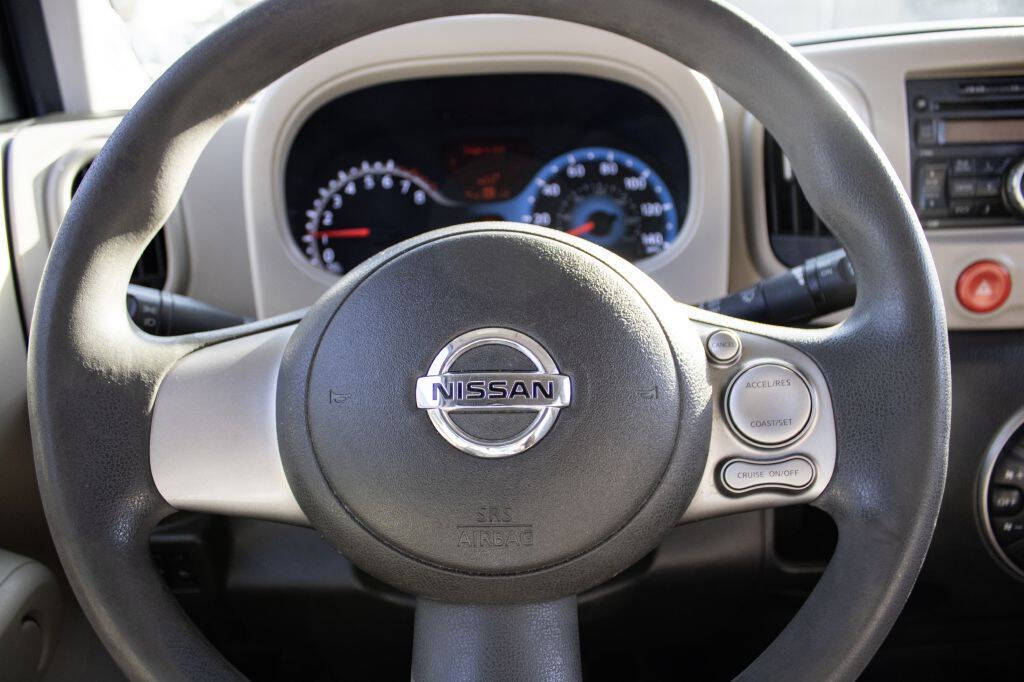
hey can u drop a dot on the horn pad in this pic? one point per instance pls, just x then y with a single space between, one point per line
575 388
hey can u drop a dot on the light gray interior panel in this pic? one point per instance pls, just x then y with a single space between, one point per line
218 257
207 256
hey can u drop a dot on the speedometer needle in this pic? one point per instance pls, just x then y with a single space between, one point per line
582 229
344 233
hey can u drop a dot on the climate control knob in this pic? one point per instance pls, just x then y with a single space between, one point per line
1013 188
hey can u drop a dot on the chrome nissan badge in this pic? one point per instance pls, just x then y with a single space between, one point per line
445 393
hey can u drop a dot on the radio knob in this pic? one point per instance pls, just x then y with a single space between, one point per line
1013 189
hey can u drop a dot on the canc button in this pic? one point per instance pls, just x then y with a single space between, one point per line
744 475
769 404
723 346
983 286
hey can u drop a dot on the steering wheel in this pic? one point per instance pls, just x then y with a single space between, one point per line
442 414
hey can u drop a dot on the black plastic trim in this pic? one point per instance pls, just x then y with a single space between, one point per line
33 56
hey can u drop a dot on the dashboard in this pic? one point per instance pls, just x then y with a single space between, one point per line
598 159
548 123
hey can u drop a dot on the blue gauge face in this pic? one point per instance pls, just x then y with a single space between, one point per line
608 197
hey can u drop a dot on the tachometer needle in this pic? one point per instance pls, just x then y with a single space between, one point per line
582 229
344 233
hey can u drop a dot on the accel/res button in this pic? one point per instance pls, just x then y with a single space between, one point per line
769 404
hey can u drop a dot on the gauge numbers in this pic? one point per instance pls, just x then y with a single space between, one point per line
606 196
363 210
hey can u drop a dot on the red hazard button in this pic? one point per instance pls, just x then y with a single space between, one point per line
983 286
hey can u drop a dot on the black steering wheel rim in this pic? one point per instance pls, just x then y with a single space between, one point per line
93 377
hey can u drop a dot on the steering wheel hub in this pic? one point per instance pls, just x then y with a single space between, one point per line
551 350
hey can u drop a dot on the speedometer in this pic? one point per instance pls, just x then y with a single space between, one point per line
364 210
607 196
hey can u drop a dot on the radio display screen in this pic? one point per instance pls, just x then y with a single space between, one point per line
983 130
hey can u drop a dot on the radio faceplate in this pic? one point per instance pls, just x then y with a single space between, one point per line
966 139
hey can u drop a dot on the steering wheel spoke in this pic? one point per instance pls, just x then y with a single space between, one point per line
213 436
773 437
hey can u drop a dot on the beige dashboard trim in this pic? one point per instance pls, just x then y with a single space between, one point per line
878 68
42 159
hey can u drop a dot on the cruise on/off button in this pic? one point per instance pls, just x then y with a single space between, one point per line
769 404
744 475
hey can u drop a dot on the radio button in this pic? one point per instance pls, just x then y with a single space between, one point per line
993 165
933 178
926 132
963 166
963 187
988 187
932 189
961 209
933 206
987 209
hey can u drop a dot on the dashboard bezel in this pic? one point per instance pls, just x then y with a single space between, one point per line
451 135
693 268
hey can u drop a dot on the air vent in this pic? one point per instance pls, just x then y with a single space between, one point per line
794 231
151 270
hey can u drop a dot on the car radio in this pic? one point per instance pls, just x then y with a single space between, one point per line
967 150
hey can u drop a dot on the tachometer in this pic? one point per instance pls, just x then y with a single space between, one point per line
607 196
362 211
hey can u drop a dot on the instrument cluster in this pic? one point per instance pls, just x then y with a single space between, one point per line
595 158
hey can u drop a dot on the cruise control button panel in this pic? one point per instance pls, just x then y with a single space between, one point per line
769 404
747 475
773 436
